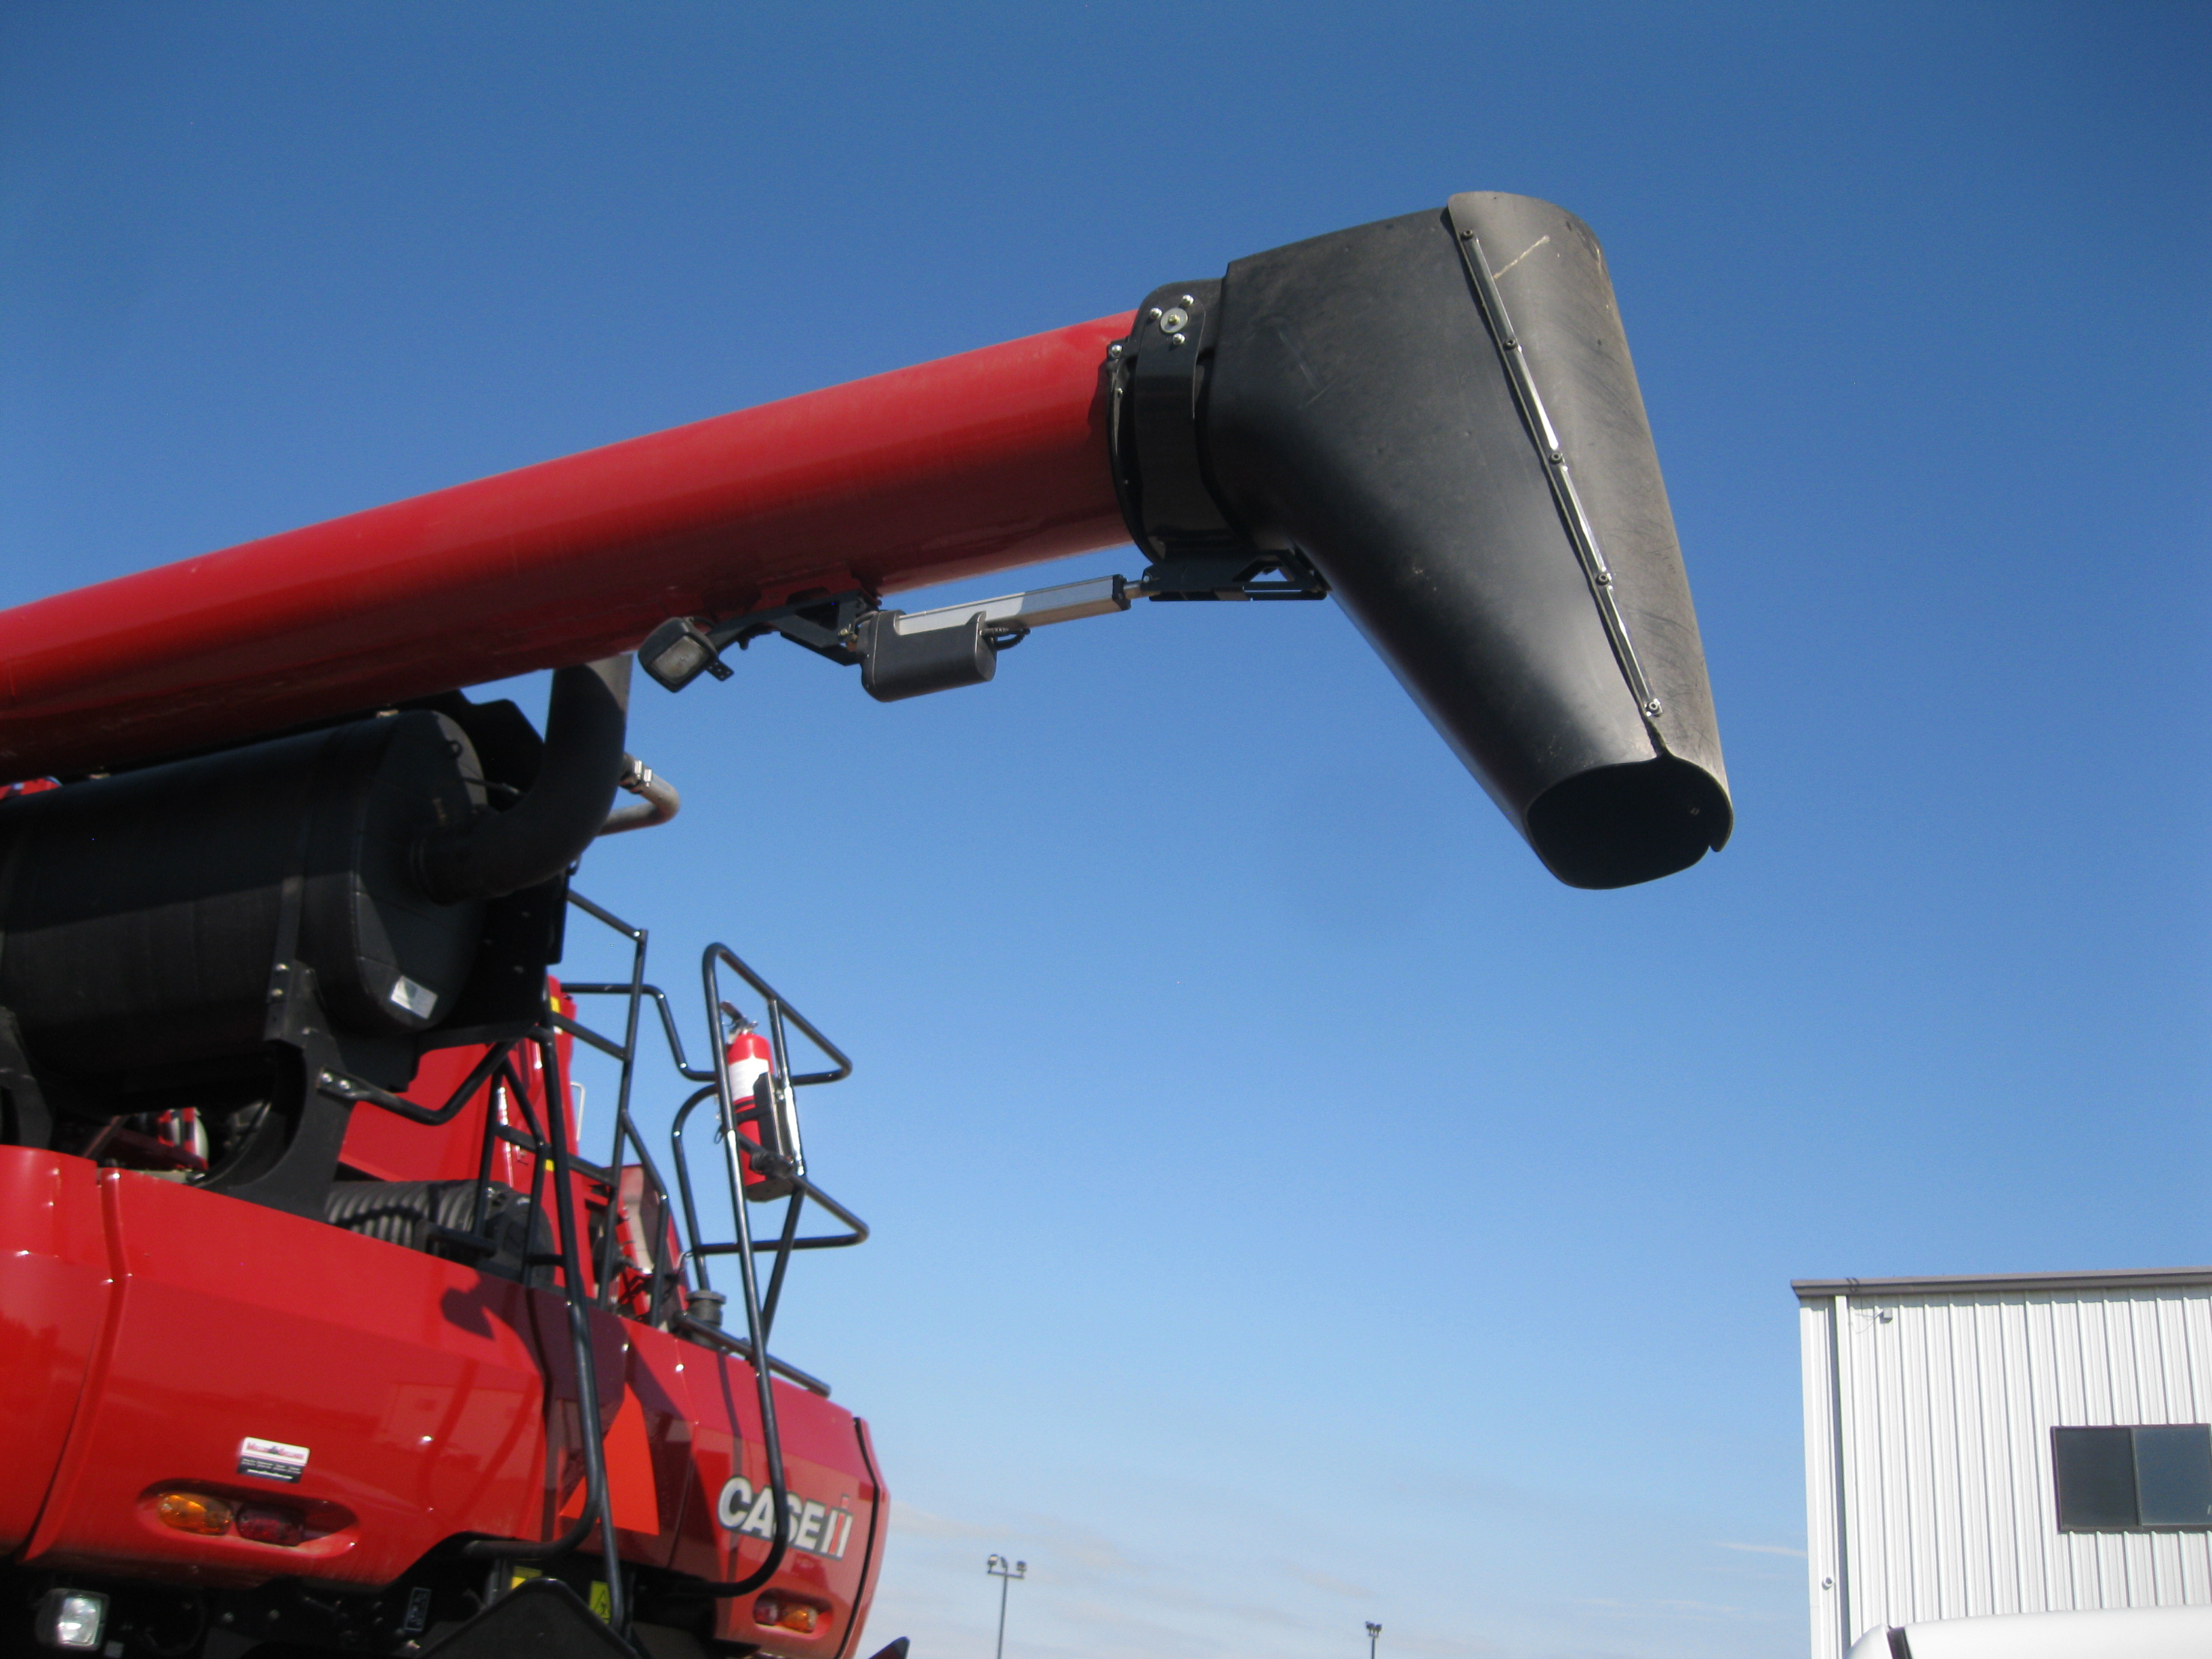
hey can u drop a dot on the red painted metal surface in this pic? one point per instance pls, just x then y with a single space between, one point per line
971 464
150 1326
54 1286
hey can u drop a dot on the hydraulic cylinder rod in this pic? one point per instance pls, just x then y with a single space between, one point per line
990 460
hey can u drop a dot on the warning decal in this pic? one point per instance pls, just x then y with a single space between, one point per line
271 1460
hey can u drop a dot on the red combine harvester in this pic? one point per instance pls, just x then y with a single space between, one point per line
318 1331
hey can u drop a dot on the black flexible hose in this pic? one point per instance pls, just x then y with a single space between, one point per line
544 832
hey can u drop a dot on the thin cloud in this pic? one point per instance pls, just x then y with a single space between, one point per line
1668 1609
1322 1581
920 1523
1761 1549
1458 1647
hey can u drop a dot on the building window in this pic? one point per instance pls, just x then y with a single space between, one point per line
2141 1480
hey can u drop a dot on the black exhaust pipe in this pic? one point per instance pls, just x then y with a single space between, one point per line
495 854
1437 415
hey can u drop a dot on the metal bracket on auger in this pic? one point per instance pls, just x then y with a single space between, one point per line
900 653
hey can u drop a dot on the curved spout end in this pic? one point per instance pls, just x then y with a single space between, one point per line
1615 826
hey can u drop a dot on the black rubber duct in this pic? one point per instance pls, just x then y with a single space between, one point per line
548 830
1368 400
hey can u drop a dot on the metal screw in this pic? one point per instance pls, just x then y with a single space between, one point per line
1114 350
1188 300
1174 319
1653 709
1179 339
1156 311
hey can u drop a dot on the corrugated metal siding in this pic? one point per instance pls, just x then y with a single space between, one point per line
1927 1422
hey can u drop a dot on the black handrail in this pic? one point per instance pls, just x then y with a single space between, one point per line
552 1142
660 1000
771 1435
552 1145
626 1130
777 1008
497 1070
339 1086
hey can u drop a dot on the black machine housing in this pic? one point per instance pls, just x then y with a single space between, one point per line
256 932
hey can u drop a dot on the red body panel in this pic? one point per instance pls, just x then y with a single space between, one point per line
994 458
415 1383
54 1285
150 1326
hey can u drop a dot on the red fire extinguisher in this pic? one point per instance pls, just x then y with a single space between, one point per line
754 1099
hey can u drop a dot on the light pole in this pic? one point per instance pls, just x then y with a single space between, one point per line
1374 1630
997 1567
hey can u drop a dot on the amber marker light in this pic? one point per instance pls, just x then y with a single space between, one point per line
774 1611
194 1511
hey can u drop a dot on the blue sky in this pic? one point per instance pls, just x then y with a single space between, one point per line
1293 1208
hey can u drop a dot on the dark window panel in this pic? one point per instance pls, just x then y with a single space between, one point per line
2173 1475
2096 1479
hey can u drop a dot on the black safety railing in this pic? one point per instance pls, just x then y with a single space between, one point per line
653 1207
777 1156
775 1148
549 1150
762 1131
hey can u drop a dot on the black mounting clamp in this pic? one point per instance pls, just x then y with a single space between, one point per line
1156 384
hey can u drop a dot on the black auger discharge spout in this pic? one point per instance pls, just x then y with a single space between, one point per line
1437 417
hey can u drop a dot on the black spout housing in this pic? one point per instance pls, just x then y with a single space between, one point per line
1438 414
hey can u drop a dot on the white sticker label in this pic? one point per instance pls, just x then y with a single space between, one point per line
271 1460
419 1000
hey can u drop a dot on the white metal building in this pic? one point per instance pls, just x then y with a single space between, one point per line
2014 1444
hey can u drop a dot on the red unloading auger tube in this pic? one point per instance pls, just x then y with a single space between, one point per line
976 462
1433 417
